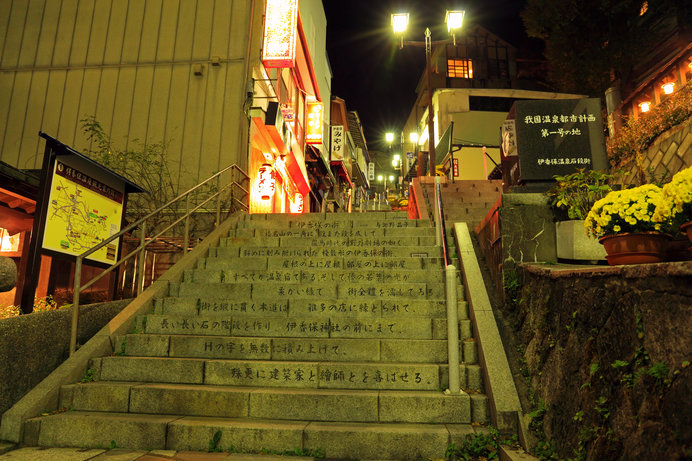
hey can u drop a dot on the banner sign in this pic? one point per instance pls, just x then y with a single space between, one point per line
337 142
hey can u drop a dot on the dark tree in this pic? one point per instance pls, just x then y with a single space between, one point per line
591 43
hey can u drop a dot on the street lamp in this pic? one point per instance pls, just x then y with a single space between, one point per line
454 20
389 137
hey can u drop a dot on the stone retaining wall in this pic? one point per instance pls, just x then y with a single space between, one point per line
32 346
608 351
670 152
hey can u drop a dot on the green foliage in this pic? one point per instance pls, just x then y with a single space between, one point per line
602 407
123 346
578 416
638 134
89 376
593 368
481 446
112 445
576 193
661 373
619 364
214 442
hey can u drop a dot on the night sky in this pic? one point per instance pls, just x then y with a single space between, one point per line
377 79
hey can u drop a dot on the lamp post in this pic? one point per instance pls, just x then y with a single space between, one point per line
454 20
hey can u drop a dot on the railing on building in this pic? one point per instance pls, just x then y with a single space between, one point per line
233 186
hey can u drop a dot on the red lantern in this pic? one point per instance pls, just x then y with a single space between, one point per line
266 182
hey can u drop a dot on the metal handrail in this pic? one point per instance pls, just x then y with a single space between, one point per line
451 292
144 241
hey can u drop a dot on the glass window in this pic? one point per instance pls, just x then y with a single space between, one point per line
459 68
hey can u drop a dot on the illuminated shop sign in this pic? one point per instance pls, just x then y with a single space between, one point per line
297 204
280 31
265 182
314 125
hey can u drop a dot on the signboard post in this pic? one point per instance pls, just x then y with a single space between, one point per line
81 203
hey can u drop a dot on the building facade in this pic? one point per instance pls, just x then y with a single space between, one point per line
475 83
186 74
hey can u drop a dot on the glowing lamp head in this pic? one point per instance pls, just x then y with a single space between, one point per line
399 22
389 137
668 88
413 137
391 178
645 106
454 20
265 182
380 177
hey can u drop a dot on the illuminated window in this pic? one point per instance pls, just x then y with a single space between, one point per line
459 68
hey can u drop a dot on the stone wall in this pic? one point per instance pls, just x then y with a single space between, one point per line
33 345
608 351
670 152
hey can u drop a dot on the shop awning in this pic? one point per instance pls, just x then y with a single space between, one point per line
340 170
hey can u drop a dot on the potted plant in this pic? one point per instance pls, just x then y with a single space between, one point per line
675 203
624 223
572 197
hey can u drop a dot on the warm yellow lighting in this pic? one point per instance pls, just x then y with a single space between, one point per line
423 139
454 19
400 22
314 125
297 204
389 137
391 178
379 177
645 106
668 88
280 30
413 137
266 182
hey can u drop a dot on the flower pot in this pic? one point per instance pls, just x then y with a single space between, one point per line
686 228
572 242
635 247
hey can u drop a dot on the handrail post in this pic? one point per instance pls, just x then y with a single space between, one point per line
438 224
140 259
75 304
186 237
218 199
452 330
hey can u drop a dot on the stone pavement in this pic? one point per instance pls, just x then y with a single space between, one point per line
119 454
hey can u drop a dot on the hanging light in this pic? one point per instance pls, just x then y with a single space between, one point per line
668 88
297 204
645 106
266 182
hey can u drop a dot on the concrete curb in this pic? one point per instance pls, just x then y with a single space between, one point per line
505 407
45 396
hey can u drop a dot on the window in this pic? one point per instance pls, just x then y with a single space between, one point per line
459 68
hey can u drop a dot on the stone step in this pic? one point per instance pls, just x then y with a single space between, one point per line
321 262
315 251
358 232
328 242
285 374
290 349
295 349
269 403
320 290
208 275
338 440
296 327
327 308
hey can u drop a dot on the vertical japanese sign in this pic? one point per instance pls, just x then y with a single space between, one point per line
371 171
314 129
555 137
280 30
509 137
337 147
455 168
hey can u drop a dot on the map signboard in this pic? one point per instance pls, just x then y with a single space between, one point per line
82 212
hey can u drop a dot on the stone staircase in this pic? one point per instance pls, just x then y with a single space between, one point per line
313 332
